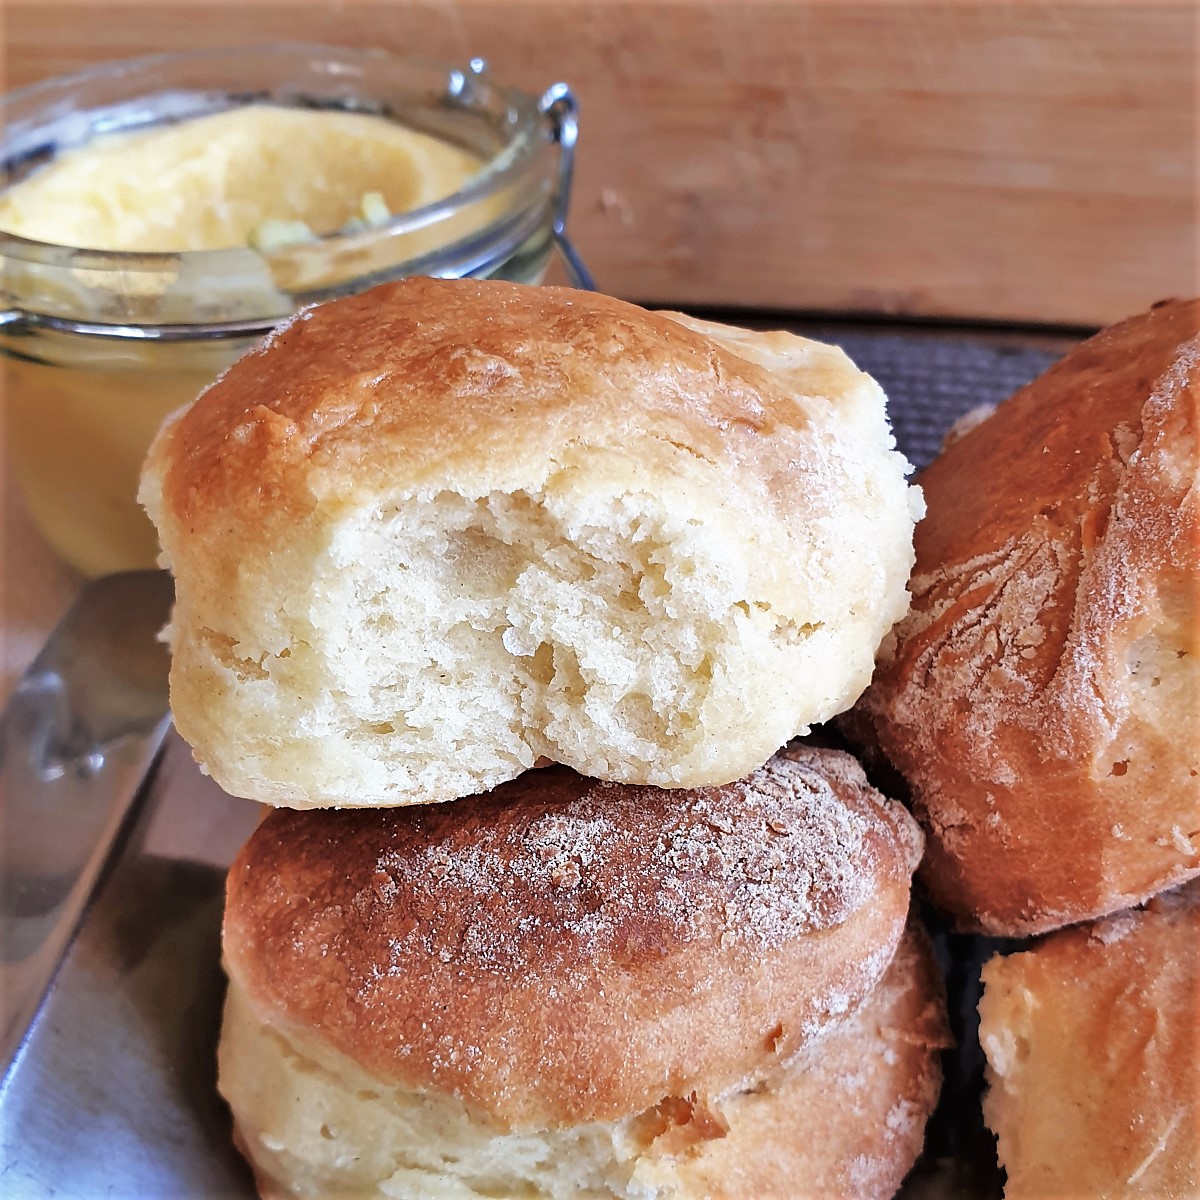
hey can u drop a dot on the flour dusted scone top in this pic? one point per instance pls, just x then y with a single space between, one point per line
430 534
565 988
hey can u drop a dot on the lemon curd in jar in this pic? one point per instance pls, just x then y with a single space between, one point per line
80 413
215 182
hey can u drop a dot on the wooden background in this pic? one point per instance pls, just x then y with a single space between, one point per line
1013 161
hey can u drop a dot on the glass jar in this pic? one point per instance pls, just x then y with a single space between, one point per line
98 346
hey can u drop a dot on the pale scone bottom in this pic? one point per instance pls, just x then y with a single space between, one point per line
310 1116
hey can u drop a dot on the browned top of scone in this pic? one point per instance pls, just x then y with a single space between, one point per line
563 950
1038 688
420 378
1061 444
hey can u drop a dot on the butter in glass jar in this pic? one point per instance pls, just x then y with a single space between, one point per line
159 216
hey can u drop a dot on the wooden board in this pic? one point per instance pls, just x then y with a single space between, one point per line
1030 162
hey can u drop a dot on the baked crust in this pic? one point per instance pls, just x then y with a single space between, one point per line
1041 695
366 382
1093 1045
651 548
562 950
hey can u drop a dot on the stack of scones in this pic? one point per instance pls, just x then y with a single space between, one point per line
508 598
1042 701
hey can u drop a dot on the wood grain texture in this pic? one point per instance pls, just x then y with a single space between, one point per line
1020 161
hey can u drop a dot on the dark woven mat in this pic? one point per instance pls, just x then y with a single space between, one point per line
931 381
931 377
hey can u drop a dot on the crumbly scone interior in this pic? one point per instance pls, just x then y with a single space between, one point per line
632 616
448 641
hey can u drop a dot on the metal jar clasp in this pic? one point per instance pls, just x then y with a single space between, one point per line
561 109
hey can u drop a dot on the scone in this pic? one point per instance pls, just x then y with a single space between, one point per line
1093 1046
427 536
575 987
1042 697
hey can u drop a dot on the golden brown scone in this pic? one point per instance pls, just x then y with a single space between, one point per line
429 534
1041 695
536 984
1093 1046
